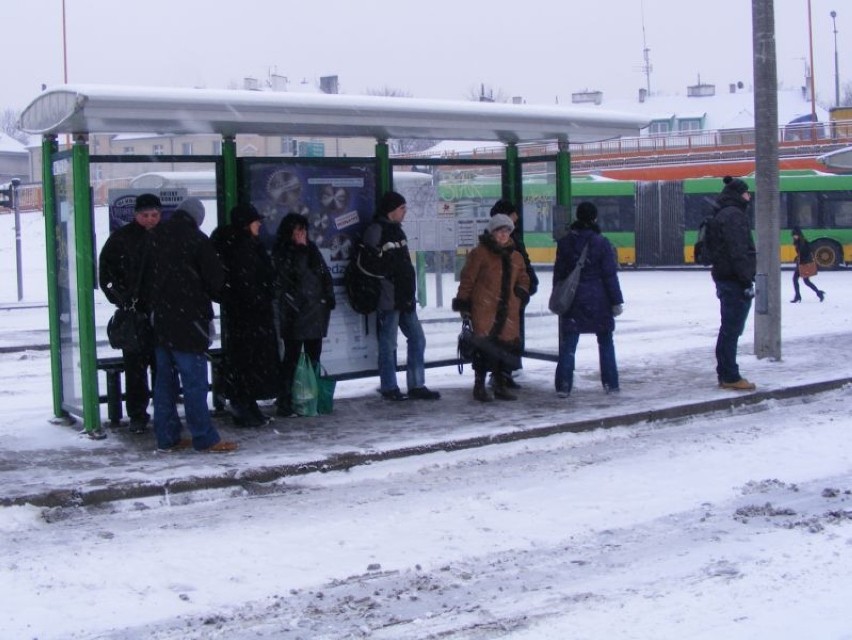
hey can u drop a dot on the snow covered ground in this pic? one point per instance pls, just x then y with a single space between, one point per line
735 524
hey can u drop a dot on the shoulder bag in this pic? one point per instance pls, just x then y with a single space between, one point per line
564 291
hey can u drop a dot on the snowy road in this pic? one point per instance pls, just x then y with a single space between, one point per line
730 526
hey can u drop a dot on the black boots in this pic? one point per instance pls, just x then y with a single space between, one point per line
821 295
798 298
480 392
501 390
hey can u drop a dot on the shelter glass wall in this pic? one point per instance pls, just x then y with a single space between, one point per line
67 310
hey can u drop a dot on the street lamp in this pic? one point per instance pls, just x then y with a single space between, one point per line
836 68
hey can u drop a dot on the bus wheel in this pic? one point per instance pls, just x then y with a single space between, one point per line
827 254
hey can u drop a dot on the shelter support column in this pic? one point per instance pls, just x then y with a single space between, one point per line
49 147
84 266
385 172
229 177
513 179
563 176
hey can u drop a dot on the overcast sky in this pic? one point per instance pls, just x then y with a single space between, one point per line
538 49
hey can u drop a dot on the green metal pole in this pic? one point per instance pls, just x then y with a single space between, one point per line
85 269
49 147
385 177
563 176
513 184
229 169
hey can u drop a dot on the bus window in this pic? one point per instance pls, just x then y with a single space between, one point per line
802 208
837 208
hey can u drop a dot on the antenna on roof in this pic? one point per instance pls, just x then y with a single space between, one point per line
646 66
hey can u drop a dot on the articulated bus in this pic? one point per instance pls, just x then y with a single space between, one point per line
655 223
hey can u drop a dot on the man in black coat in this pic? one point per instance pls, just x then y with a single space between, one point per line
734 267
397 303
120 269
186 276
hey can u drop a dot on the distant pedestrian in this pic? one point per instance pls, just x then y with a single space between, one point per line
508 208
734 267
493 288
120 269
804 257
597 302
304 295
249 340
397 304
186 277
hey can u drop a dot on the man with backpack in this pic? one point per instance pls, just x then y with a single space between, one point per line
397 305
734 262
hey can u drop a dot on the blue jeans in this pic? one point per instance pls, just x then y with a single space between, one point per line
734 307
387 324
191 368
564 379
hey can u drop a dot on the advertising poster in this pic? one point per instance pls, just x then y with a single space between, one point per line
339 203
123 201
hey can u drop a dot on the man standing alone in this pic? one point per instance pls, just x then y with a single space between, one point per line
734 267
120 269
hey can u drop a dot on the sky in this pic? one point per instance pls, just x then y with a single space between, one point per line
539 50
732 525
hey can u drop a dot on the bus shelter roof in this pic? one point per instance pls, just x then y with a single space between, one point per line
839 160
72 109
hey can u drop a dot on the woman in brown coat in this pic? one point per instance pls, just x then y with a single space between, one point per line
493 289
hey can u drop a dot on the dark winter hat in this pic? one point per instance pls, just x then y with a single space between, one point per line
587 212
194 207
796 231
499 221
243 215
389 202
734 186
147 201
503 206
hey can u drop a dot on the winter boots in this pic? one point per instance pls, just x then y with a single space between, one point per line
501 389
480 391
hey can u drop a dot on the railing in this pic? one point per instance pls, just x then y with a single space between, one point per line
799 139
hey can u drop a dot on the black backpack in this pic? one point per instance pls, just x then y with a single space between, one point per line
708 241
363 285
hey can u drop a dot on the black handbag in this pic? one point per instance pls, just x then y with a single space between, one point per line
130 330
466 347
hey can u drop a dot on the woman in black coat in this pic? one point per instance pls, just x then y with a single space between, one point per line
249 342
804 255
304 297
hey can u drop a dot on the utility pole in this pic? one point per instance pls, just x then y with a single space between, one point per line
833 15
767 204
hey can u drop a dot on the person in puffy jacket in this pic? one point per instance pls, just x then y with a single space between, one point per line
734 267
597 302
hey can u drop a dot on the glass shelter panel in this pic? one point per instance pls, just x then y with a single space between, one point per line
66 278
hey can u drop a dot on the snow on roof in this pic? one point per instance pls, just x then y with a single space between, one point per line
115 109
9 145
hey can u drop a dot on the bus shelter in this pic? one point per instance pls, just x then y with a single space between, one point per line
71 218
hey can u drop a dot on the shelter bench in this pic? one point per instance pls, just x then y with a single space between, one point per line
113 368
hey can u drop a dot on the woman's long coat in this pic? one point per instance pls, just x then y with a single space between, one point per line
304 291
249 339
493 282
599 289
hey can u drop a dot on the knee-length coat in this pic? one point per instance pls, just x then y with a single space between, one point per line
493 286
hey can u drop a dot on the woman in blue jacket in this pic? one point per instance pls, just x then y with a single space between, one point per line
597 301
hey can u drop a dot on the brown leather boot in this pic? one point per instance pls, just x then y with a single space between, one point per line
500 390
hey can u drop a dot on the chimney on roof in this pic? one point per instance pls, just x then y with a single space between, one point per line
583 97
517 100
278 82
251 84
328 84
643 95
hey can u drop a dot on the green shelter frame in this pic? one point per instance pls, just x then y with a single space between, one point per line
80 110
